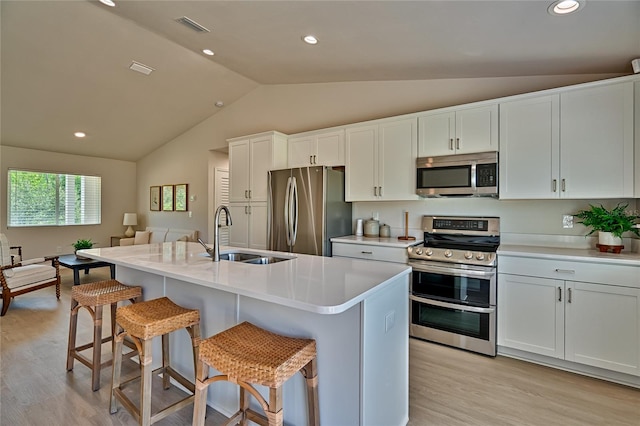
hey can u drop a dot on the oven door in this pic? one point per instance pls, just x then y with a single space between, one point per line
454 306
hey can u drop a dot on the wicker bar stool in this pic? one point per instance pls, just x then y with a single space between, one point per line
93 297
141 323
246 355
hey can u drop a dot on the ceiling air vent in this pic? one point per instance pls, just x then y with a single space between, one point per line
188 22
141 68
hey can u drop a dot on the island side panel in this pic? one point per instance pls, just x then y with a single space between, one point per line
385 366
338 338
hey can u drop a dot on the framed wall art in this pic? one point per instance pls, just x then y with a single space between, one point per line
154 198
181 197
167 198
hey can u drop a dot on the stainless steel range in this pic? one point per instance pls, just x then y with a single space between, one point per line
454 281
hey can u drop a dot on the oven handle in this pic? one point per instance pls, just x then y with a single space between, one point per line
451 305
453 271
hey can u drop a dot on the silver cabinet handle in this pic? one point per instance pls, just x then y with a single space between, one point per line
565 271
311 159
555 185
564 185
559 294
375 191
366 252
246 194
245 209
569 295
249 193
457 143
314 159
451 144
380 191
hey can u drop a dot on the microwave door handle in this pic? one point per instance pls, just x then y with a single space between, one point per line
456 272
452 305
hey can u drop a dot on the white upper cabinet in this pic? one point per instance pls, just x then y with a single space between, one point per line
317 149
460 131
380 161
637 137
574 144
530 148
596 142
250 159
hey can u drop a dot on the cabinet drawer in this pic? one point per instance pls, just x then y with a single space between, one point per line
621 275
369 252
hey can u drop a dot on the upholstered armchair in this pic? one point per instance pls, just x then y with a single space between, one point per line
19 276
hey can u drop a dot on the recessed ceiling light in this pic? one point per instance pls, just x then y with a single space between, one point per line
79 134
208 52
309 39
564 7
219 104
109 3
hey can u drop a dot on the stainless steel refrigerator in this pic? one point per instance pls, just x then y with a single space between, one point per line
307 209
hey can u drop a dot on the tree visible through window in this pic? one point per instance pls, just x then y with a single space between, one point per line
53 199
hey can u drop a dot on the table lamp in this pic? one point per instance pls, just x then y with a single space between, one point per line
130 219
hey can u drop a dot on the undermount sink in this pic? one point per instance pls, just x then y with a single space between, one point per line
252 258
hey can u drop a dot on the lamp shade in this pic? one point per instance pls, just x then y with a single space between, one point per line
130 219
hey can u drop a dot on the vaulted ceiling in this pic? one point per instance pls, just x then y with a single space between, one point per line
65 64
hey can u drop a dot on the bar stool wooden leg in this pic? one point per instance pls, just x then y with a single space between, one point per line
145 386
115 372
310 373
166 383
97 348
200 397
73 326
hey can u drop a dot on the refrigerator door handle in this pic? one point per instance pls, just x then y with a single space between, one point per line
294 211
287 197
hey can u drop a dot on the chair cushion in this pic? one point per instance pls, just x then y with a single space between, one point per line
141 237
30 274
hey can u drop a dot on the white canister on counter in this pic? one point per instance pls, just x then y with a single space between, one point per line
385 231
371 228
359 228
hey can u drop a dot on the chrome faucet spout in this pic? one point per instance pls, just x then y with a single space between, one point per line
215 256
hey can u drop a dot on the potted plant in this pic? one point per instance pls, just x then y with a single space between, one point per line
81 245
610 224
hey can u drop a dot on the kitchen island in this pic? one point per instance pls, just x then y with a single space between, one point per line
356 310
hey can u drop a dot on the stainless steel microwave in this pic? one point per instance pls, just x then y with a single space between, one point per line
458 175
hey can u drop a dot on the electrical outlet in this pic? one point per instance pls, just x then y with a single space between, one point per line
567 221
59 249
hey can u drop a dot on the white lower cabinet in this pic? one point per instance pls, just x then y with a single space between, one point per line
594 324
249 225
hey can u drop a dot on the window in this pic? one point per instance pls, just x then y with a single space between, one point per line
53 199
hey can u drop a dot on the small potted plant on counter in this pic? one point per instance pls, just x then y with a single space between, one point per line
610 224
81 245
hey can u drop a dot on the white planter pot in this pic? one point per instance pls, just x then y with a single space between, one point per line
607 239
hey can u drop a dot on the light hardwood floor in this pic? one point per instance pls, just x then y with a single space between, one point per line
446 386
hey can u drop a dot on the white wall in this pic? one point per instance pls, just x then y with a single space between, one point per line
300 107
118 197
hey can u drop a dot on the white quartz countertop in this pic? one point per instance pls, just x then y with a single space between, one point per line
376 241
572 254
324 285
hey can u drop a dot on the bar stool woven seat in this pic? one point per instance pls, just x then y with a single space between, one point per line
93 297
142 322
246 354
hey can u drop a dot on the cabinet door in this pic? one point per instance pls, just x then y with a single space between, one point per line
531 314
477 129
637 137
530 148
437 132
330 149
603 326
361 179
239 171
397 146
301 151
261 155
596 141
239 229
258 226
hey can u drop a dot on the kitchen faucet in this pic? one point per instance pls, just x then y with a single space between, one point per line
215 253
